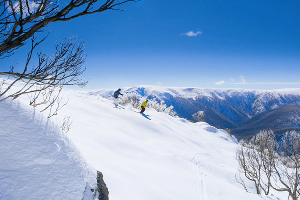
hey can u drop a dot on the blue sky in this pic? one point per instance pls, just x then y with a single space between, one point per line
194 43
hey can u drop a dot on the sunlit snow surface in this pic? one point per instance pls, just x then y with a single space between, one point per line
36 160
155 158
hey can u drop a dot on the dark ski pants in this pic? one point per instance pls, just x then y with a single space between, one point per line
143 109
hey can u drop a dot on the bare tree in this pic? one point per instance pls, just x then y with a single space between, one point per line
287 165
249 164
21 20
272 164
49 73
255 158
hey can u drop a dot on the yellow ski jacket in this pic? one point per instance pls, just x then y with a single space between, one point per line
144 104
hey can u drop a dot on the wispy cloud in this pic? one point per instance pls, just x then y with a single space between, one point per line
192 33
220 82
242 81
266 83
242 78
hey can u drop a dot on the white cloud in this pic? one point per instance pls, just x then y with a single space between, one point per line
192 33
242 78
32 6
220 82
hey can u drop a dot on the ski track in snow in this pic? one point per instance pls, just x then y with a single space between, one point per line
198 159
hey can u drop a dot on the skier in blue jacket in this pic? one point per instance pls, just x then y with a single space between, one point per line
117 93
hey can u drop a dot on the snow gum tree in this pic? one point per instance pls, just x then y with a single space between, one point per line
269 163
253 157
24 22
287 165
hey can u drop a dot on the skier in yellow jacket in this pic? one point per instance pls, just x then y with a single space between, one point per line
143 106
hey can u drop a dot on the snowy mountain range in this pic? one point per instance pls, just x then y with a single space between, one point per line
236 109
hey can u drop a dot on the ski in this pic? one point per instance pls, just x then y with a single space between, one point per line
119 107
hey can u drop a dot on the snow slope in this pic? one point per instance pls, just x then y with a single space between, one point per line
37 161
157 157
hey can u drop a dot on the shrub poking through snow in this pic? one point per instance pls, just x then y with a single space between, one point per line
134 100
161 107
199 116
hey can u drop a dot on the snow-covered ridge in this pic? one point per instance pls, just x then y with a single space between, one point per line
259 100
193 92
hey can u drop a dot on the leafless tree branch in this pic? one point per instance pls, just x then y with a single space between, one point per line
20 21
63 69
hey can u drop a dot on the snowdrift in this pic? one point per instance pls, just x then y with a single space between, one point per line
37 161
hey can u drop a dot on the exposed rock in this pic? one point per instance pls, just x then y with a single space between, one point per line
101 187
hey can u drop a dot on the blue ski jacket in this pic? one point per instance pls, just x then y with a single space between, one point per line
117 93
